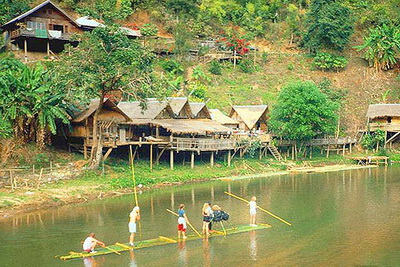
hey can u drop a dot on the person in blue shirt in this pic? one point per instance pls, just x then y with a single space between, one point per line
182 222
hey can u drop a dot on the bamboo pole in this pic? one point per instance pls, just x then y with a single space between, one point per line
133 176
223 228
264 210
113 250
190 225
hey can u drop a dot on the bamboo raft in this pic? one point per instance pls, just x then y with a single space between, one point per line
117 248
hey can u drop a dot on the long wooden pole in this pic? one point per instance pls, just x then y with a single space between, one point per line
190 225
264 210
133 176
113 250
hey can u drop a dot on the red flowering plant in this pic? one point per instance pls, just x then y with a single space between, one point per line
234 43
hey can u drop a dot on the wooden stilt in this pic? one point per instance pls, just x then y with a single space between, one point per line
171 159
26 50
344 148
192 160
212 159
48 48
229 158
151 157
107 154
327 152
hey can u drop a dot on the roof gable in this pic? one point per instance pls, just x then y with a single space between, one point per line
217 115
38 7
180 106
200 110
249 114
153 109
93 105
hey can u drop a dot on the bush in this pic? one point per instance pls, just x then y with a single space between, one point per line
247 66
326 61
172 66
215 67
371 140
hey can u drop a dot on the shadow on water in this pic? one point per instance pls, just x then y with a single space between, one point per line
342 218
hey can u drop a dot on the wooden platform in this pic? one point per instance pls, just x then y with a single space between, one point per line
368 160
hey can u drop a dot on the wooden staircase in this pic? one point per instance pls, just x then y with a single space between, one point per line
275 152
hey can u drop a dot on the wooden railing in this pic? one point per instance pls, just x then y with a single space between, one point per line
32 33
202 144
322 141
384 126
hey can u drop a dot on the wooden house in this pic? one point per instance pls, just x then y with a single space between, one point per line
45 28
218 116
199 110
110 125
385 117
250 118
180 107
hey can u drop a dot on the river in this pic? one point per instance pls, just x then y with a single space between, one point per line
342 218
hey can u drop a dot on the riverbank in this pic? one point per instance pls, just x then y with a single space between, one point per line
116 179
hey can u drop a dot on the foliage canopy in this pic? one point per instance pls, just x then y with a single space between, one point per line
302 112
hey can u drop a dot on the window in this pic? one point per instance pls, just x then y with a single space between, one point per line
389 119
35 25
58 28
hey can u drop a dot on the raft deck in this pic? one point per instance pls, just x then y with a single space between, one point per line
160 241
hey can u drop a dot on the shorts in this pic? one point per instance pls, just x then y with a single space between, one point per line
253 212
182 227
207 218
87 250
132 227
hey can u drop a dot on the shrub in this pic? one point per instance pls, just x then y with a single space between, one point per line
326 61
264 57
215 67
371 140
247 66
172 66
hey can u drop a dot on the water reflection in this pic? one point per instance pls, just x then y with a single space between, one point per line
133 262
253 245
183 256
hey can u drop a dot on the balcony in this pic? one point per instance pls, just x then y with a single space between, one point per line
389 127
39 33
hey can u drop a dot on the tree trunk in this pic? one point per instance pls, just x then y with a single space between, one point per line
96 148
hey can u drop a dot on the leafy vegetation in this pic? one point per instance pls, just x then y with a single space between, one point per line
302 112
326 61
382 46
374 140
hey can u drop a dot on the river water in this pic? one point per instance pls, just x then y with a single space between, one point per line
347 218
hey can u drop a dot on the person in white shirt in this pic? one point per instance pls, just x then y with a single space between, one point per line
90 243
134 216
253 211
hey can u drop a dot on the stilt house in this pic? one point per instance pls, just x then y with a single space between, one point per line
385 117
250 118
46 28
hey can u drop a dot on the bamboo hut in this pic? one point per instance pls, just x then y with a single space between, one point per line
250 118
385 117
218 116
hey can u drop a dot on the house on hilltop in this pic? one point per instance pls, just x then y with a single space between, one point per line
385 117
250 118
46 28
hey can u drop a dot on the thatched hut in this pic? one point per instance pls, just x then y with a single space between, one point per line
218 116
250 118
200 110
109 123
385 117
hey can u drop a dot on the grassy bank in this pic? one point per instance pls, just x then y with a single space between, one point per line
115 178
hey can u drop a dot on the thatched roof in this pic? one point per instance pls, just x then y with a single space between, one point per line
38 7
192 126
249 114
93 105
200 110
383 110
217 115
153 109
178 104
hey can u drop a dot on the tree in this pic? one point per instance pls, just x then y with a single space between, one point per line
11 8
29 105
183 7
329 26
108 10
382 46
106 61
302 112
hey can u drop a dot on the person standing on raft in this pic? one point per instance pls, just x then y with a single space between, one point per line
253 211
207 216
182 222
134 216
90 243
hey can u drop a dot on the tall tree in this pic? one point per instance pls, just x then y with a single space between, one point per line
105 61
12 8
329 26
302 112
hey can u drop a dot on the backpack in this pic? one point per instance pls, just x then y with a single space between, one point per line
224 215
